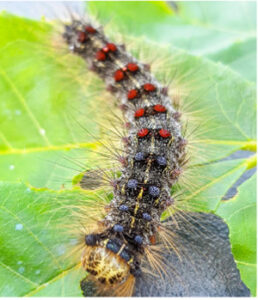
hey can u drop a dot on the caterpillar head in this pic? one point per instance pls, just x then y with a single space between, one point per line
108 264
107 267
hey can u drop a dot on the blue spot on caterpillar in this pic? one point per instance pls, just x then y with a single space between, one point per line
161 160
139 156
132 183
154 191
146 216
138 239
123 207
118 228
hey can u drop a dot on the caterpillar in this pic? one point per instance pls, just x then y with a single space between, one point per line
155 151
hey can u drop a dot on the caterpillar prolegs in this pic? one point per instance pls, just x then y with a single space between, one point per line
131 232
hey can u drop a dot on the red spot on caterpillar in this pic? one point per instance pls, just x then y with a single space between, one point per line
90 29
139 113
143 132
159 108
164 133
118 75
148 87
132 67
132 94
100 55
82 37
109 47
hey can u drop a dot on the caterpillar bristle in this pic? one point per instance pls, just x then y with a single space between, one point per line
155 260
125 289
167 238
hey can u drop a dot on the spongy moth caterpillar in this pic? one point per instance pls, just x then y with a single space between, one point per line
155 150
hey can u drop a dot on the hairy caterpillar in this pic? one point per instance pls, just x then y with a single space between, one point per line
86 182
155 150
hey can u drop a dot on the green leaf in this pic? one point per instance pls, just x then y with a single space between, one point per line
240 215
34 80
